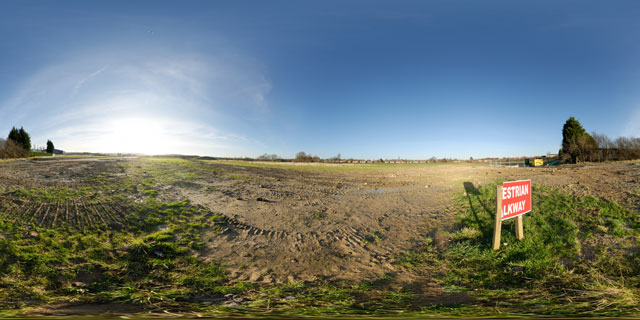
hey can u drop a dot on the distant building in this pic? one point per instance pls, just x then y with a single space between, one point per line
57 151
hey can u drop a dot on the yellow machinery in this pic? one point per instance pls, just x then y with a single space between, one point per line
538 163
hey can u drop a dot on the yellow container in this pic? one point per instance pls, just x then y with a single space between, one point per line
538 163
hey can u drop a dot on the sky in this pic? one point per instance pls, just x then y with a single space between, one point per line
363 79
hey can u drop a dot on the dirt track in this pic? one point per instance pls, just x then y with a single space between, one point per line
288 225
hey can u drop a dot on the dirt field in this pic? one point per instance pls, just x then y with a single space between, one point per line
293 225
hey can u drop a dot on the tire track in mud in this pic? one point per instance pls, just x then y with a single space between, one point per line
314 225
350 236
263 247
75 213
287 225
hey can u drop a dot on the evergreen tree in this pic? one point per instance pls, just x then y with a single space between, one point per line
571 131
577 144
50 147
14 135
25 139
21 137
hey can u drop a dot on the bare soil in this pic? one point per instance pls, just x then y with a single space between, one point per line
291 225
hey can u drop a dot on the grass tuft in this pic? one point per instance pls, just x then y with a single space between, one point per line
575 248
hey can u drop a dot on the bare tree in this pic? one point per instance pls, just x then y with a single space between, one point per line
602 140
304 157
628 148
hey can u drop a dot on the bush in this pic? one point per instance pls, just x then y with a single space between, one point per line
10 149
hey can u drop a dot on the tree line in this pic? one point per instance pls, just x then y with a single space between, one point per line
303 157
18 144
580 146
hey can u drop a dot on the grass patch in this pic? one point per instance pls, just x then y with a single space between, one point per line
40 154
174 171
211 189
150 262
577 254
49 194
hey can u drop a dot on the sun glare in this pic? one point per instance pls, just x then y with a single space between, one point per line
137 135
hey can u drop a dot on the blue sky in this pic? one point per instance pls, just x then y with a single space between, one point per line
366 79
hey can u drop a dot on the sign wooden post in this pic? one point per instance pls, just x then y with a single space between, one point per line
519 228
498 225
513 199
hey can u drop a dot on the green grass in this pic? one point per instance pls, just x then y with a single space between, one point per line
151 261
211 189
40 154
577 254
49 194
141 264
147 174
166 169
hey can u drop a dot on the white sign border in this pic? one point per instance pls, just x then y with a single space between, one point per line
530 193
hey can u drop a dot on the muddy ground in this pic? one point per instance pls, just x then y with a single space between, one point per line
291 225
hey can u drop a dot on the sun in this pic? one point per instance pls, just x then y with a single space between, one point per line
137 135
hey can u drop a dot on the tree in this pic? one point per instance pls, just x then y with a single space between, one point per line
21 137
606 147
302 157
334 159
14 135
50 147
628 147
25 139
587 147
577 144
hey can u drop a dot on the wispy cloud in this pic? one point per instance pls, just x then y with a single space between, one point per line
632 127
83 81
194 103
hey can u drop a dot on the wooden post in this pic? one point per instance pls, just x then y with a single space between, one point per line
498 224
519 228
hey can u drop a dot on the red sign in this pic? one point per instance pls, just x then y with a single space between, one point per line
516 198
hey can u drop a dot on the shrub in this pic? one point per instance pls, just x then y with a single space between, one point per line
10 149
